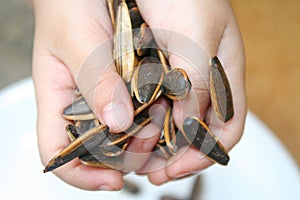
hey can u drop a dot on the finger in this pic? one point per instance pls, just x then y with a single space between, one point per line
86 48
104 89
54 88
90 178
231 53
156 170
141 146
197 101
187 161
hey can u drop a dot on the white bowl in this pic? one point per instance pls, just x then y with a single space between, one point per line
260 166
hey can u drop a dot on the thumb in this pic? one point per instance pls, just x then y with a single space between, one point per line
102 87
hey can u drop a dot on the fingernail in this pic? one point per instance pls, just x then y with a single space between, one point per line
106 188
117 116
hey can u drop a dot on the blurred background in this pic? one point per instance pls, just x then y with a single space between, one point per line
16 36
271 33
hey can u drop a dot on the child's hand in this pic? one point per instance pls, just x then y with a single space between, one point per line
192 31
66 34
70 32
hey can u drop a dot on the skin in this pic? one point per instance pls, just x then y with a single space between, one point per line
73 44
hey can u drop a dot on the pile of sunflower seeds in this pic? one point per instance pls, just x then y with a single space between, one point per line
148 77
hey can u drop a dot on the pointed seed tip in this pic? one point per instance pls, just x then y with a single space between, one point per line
228 117
45 170
224 161
214 60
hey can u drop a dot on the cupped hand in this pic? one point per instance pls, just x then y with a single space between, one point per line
191 32
73 44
